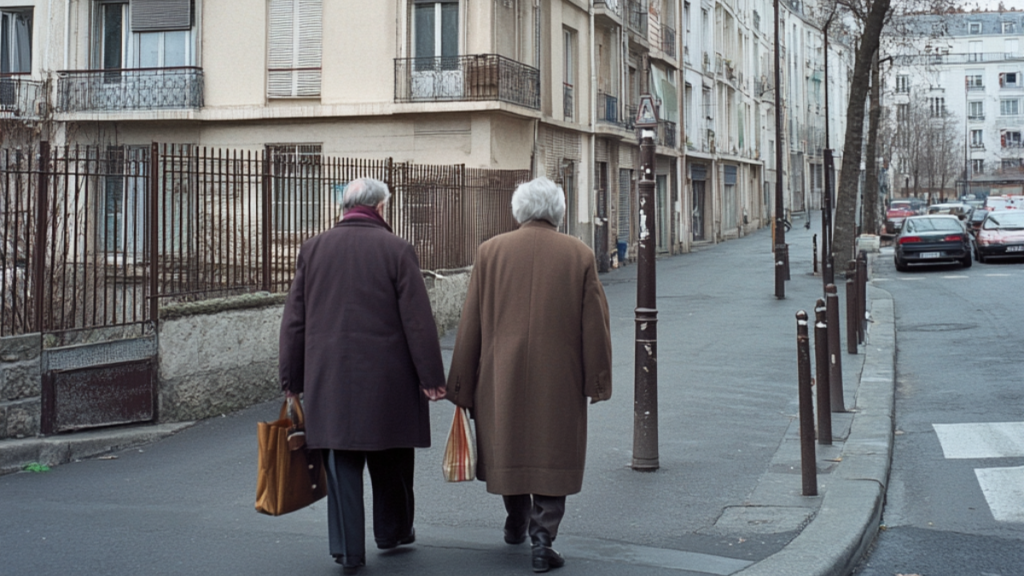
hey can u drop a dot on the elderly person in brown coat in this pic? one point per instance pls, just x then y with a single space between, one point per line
358 339
533 345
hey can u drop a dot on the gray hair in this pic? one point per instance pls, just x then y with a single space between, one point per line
538 199
364 192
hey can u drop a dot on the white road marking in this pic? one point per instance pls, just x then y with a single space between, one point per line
998 275
906 279
956 277
1004 492
981 440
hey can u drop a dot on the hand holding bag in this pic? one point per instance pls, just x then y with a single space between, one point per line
460 453
289 475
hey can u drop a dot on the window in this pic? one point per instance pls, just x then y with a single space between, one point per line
902 113
974 81
1009 80
903 84
1010 139
978 166
1009 107
1011 163
436 35
15 41
297 175
1009 27
143 35
122 210
1011 46
937 106
977 139
974 27
294 34
568 72
976 110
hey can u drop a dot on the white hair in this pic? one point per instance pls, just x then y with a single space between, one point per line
365 192
538 199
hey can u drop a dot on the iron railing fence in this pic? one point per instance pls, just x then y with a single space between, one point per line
79 248
667 134
130 89
467 78
21 98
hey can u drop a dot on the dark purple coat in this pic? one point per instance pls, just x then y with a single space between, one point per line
358 338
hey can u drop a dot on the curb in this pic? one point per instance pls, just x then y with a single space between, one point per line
851 509
55 450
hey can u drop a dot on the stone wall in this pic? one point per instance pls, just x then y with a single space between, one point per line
215 356
20 385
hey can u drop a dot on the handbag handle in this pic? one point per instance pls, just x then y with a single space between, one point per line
297 431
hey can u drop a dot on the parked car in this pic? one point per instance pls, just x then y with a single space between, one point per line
977 217
1001 235
899 210
958 209
933 239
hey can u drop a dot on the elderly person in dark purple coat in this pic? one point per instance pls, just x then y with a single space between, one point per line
358 340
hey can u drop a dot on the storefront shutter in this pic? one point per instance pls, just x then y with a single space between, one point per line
161 15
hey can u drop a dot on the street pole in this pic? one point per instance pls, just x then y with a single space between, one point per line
645 395
780 256
827 263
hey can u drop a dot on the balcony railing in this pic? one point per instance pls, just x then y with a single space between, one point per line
976 117
568 105
130 89
474 77
20 97
630 117
667 133
607 108
962 58
668 40
636 16
613 6
972 87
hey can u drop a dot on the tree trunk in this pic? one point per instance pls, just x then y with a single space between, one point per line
870 204
846 197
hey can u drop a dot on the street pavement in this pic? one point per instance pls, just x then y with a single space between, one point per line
726 500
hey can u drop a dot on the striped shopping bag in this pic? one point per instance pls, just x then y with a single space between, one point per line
459 463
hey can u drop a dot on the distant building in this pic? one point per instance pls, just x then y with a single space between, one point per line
967 70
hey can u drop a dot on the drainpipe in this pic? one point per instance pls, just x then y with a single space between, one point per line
593 139
67 33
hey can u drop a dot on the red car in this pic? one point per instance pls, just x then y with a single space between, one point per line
1001 235
899 210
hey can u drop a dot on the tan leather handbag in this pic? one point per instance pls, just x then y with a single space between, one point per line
289 475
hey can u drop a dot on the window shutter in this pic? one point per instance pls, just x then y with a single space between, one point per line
310 47
161 15
281 48
1002 80
295 35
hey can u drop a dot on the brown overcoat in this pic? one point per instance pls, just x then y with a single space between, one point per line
533 345
358 337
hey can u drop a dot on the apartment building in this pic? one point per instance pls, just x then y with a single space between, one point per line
963 73
546 85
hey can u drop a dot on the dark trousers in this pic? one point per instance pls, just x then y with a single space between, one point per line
391 474
543 513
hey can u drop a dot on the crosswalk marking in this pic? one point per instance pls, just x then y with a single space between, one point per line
1003 488
1004 492
981 440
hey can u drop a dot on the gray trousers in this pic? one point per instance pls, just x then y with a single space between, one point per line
542 513
391 473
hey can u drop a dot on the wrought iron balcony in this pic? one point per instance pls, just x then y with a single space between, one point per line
21 98
667 134
568 105
130 89
668 40
607 108
467 78
636 16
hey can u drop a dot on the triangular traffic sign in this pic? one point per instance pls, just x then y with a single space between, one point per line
646 117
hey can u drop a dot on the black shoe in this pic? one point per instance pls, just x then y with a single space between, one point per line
511 537
389 544
545 558
350 564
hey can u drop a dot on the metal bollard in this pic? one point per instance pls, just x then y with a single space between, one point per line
862 297
814 253
821 374
851 316
808 465
835 359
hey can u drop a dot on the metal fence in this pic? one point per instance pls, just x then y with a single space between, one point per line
472 77
79 248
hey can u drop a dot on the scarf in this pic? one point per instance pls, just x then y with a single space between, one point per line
365 213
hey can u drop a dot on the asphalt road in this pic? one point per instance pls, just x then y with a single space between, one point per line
955 503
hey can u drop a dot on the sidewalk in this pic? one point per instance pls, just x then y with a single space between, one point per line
725 501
